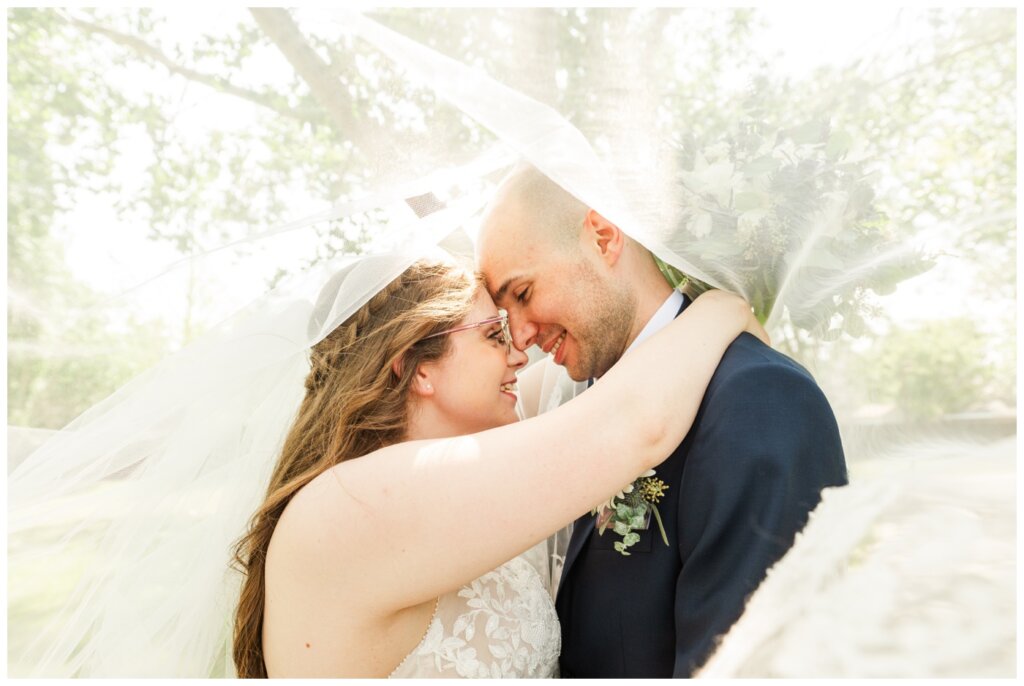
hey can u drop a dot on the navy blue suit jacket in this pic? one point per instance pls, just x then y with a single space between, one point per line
741 485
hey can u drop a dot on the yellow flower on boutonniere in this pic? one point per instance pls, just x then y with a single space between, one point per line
653 490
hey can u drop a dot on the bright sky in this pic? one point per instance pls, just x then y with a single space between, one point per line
812 35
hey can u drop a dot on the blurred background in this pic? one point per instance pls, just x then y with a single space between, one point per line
139 137
163 164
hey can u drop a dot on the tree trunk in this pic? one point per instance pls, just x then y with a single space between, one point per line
281 29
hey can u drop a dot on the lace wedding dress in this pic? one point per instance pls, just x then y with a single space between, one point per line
500 625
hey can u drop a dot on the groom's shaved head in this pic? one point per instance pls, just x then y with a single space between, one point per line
553 264
573 282
535 207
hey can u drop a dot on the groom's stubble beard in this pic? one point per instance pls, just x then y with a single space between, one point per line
606 313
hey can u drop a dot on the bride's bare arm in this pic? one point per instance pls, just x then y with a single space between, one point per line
418 519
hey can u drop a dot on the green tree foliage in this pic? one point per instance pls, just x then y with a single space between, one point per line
929 370
58 98
94 92
937 118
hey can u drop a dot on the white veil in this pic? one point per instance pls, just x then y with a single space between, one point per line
152 487
122 522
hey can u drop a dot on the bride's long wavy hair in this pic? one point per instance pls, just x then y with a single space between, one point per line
355 403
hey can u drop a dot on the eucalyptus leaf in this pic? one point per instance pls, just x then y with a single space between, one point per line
765 164
838 144
832 335
854 325
811 132
747 201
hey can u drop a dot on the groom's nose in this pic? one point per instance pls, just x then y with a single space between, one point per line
524 333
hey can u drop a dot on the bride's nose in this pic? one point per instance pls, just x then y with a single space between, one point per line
516 357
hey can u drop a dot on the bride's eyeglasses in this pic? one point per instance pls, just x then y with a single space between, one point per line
502 336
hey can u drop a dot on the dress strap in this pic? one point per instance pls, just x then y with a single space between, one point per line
433 616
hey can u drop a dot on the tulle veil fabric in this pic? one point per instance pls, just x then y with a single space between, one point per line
154 484
157 481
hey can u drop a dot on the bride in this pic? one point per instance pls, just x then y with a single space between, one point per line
402 562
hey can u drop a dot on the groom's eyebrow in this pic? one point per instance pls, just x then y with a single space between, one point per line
503 289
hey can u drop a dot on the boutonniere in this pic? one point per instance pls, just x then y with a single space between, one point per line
630 510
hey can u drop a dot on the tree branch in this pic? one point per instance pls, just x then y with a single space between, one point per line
326 88
946 57
138 45
841 95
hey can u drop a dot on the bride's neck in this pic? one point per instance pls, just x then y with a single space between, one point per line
425 422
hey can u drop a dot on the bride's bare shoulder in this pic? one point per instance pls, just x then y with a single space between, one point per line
311 513
319 587
338 510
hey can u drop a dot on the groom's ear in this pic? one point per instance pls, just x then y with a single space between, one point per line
606 237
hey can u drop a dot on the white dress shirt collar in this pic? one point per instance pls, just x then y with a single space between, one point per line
665 314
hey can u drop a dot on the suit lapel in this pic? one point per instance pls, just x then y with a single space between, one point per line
581 531
584 526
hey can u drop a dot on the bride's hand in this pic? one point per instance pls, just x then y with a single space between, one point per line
752 326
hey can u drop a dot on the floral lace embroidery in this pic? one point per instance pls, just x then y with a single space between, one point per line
503 624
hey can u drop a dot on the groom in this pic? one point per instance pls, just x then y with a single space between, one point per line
740 485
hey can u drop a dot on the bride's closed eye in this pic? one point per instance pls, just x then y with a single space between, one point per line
497 336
